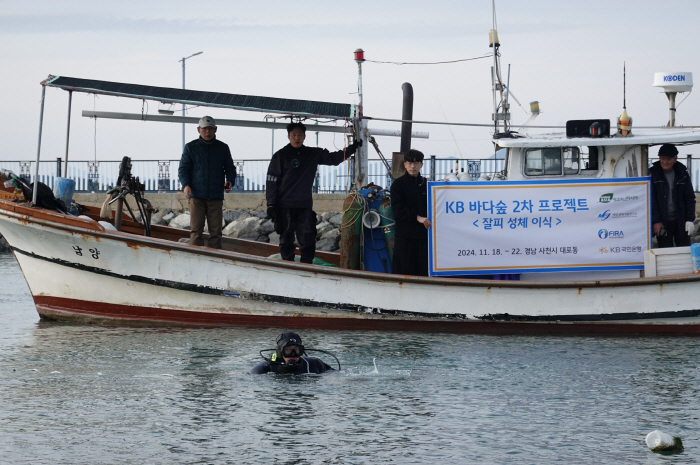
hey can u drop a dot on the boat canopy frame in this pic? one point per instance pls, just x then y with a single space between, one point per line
290 107
326 110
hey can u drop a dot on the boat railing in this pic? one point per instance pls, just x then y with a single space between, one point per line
161 175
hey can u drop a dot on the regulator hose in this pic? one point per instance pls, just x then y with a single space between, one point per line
269 360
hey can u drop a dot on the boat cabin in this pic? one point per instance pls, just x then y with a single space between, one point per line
553 156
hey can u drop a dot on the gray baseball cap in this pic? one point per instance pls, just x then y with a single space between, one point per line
206 122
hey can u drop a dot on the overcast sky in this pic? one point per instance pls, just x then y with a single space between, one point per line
568 55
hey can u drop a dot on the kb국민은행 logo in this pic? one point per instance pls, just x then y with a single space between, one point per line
605 198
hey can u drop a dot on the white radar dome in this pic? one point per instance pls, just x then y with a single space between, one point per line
674 82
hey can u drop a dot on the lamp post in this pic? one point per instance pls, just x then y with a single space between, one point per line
183 88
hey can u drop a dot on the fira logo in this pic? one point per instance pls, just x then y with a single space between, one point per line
605 234
605 215
606 198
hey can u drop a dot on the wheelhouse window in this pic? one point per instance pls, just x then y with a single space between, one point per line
560 161
589 158
572 160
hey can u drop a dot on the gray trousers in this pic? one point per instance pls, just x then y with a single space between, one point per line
212 211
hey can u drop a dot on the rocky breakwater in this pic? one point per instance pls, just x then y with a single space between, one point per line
257 226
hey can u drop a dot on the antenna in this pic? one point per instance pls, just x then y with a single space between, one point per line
624 85
671 84
624 122
501 108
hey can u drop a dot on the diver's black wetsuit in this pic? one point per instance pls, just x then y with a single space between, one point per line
305 366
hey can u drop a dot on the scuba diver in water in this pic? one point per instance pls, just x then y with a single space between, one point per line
290 358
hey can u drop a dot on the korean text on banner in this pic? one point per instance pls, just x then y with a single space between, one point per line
538 226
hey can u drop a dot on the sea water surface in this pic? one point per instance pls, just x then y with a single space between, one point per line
93 394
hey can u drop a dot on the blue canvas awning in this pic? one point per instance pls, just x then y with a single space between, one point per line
205 99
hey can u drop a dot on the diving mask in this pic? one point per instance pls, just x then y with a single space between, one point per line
291 352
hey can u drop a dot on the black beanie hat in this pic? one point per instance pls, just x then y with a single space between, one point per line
285 339
668 150
288 339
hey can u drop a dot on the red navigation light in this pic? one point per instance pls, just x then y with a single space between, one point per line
359 55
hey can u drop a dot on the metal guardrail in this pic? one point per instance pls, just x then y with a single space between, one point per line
161 175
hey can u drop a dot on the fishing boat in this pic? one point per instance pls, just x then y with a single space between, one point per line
79 268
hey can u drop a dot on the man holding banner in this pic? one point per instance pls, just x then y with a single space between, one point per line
673 200
409 203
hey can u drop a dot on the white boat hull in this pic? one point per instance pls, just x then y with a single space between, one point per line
138 278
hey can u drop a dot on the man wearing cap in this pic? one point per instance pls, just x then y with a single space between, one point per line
673 200
206 172
289 358
290 178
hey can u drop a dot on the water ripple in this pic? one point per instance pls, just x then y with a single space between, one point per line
85 394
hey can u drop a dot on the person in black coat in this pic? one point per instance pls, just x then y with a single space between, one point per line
290 179
673 200
409 203
206 171
289 359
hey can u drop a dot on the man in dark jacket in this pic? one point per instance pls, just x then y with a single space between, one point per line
206 172
409 203
290 179
673 200
289 359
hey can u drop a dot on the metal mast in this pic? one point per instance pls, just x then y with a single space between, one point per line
360 128
501 107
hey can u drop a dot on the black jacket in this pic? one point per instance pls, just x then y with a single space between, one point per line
291 174
683 195
306 366
205 166
409 199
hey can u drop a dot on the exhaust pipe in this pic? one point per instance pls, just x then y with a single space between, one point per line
406 115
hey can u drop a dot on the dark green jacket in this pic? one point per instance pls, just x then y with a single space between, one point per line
205 167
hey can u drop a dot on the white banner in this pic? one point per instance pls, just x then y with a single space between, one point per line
498 227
